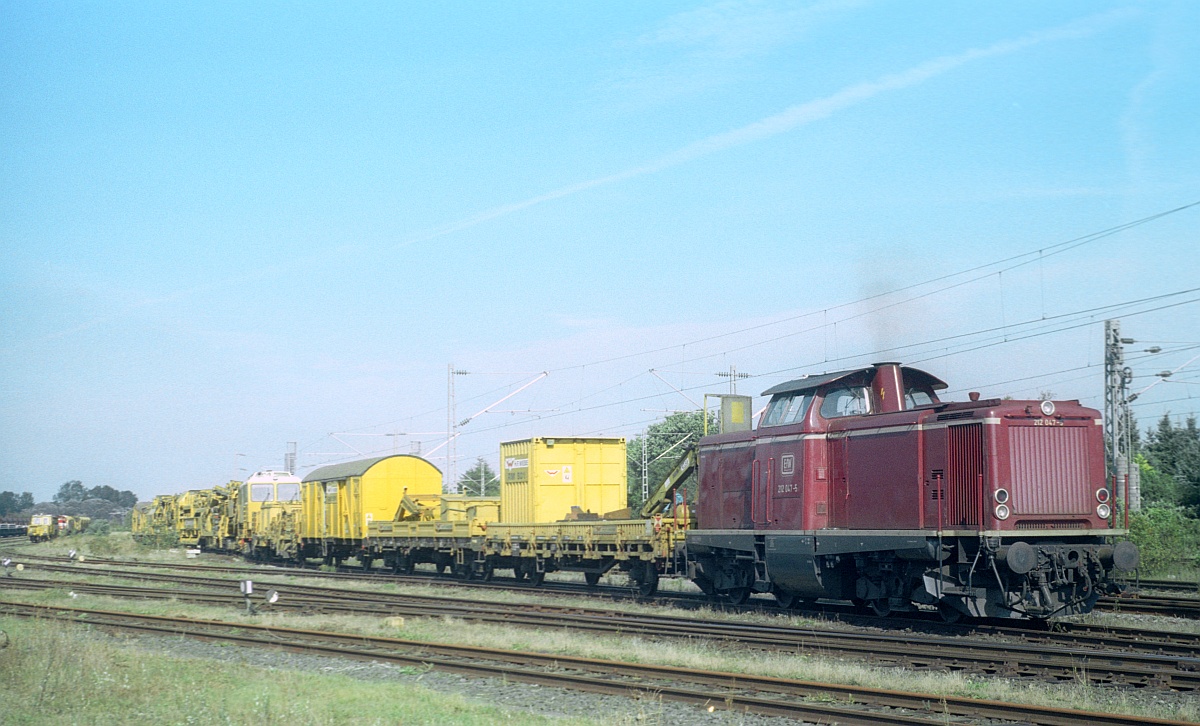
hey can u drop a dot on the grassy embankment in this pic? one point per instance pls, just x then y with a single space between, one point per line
53 674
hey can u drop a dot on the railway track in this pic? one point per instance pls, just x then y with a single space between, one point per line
1129 604
1100 658
819 702
1136 603
1133 603
1151 585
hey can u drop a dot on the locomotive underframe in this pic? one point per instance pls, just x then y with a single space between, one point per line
977 574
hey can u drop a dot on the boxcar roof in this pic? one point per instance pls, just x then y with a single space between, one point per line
911 375
351 468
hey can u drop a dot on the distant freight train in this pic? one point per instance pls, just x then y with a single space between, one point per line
859 485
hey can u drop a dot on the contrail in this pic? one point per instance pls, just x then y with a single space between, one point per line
795 116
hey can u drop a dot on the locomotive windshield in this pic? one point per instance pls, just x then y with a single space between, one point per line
788 408
845 401
288 492
261 492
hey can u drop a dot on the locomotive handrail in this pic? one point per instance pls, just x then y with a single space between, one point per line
770 493
755 473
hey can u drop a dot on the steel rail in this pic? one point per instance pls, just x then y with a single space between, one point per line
1050 661
1174 607
792 698
1185 607
1066 633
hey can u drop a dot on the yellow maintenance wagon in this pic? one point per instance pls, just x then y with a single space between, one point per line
339 502
42 527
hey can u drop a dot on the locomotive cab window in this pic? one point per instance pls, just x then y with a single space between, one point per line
786 409
845 401
288 492
261 492
918 396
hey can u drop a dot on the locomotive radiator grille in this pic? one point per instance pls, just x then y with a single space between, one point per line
1049 469
964 458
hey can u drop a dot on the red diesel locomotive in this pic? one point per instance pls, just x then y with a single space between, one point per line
862 485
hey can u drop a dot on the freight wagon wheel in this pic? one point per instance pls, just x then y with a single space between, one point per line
489 571
592 578
649 587
738 595
881 606
537 578
403 566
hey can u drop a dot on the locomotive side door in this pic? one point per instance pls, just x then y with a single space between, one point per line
839 485
779 496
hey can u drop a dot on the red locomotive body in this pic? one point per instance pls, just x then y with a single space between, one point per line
863 485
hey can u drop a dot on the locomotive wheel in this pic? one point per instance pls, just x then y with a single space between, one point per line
881 607
949 613
592 578
785 600
738 595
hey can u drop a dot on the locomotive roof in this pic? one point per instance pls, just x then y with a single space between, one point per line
911 375
349 468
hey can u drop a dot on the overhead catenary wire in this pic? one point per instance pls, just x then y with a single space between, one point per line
1005 264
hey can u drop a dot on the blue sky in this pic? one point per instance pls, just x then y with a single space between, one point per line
230 226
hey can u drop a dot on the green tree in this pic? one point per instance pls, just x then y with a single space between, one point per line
25 501
72 491
1158 489
1174 451
479 480
8 503
109 494
663 442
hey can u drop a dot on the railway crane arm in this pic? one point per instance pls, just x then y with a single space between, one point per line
684 466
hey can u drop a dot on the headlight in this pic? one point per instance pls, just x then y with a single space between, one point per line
1102 495
1048 408
1103 510
1002 511
1001 496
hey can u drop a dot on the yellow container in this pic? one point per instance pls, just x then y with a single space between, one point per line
340 501
541 479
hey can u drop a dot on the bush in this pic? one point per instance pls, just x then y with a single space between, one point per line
100 527
1167 537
